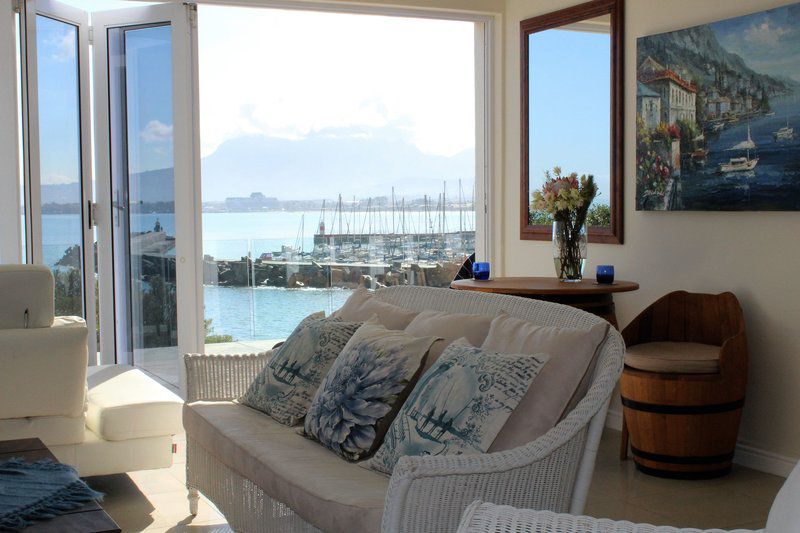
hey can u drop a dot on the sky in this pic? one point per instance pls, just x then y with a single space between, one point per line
569 115
286 74
768 41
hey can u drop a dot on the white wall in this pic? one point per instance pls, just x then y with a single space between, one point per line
10 246
754 255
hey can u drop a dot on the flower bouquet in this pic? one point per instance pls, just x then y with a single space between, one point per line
567 199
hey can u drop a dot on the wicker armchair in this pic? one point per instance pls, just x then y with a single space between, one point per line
428 493
481 517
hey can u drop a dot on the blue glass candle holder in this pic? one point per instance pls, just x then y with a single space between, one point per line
605 274
481 271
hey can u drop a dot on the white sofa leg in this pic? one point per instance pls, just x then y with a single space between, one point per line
194 498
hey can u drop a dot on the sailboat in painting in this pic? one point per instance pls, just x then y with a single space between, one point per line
785 133
740 164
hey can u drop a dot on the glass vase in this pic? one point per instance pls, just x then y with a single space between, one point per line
569 251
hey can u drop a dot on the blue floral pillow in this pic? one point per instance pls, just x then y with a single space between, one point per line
364 389
459 405
285 387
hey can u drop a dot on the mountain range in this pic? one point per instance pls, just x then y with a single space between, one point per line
318 166
698 51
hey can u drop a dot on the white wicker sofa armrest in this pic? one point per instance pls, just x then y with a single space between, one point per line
221 377
430 493
481 517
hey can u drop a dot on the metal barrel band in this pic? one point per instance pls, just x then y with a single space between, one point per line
682 409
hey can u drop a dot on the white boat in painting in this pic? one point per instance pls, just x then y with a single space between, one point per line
785 133
740 164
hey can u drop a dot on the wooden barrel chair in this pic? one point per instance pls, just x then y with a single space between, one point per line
683 385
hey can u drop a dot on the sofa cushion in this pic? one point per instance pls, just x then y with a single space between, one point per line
26 288
285 387
365 388
362 305
332 494
678 357
124 403
449 326
43 370
52 430
460 404
562 383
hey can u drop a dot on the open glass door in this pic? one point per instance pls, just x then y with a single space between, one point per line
145 139
57 160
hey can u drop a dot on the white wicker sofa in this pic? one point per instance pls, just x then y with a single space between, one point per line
283 482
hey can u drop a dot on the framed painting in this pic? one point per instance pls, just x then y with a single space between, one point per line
718 115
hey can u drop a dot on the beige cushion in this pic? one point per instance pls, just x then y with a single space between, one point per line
328 492
43 370
450 327
52 430
124 403
560 385
26 287
674 357
362 305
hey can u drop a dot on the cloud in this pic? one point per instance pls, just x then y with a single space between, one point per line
156 132
62 45
765 34
290 74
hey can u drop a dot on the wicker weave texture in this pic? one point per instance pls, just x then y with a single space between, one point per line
481 517
431 493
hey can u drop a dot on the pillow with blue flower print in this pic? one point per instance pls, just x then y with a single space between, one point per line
365 388
285 387
459 405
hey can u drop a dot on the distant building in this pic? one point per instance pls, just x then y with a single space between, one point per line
717 107
255 202
648 103
678 96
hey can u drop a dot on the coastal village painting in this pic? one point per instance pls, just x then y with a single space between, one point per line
718 115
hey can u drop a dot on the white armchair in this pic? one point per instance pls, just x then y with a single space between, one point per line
121 422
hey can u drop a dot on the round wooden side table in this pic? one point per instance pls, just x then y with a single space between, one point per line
586 294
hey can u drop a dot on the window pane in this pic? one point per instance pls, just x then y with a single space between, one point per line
328 163
151 199
60 160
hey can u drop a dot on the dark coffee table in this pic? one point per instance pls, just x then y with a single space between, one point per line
91 518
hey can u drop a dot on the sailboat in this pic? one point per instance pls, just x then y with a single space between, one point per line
739 164
785 133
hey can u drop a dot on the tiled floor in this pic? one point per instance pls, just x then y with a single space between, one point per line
156 500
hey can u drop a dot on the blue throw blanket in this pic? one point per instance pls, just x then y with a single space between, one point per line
38 491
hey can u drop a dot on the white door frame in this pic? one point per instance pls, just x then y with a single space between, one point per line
188 231
30 126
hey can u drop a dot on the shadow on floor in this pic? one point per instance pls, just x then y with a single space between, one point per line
123 497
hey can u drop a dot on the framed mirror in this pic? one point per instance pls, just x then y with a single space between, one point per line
572 111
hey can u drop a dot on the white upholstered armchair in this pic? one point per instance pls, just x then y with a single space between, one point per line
120 420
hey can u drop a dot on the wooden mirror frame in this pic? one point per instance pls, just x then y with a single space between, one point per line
571 15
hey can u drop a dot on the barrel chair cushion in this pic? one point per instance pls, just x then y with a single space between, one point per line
449 327
674 357
362 305
562 382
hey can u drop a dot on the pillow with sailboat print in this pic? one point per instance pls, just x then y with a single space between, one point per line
459 405
285 387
